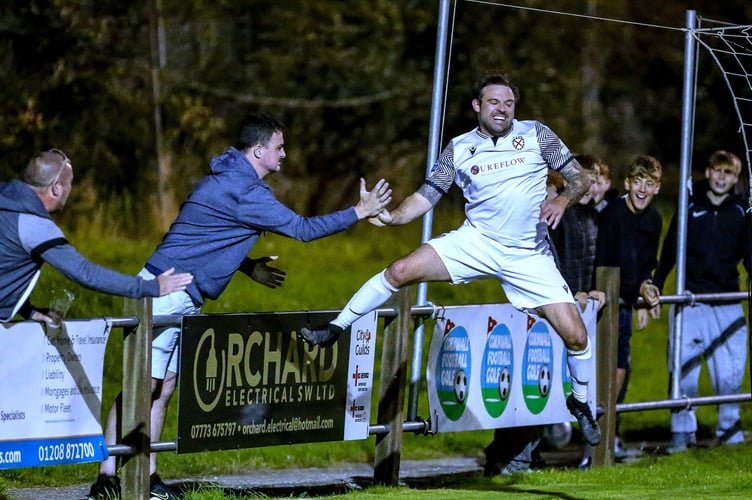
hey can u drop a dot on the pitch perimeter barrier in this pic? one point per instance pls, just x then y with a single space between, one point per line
390 423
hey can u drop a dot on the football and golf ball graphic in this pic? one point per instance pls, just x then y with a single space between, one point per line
505 383
544 381
537 363
507 377
460 385
496 369
453 370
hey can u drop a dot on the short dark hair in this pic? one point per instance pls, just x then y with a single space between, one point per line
257 128
494 79
589 162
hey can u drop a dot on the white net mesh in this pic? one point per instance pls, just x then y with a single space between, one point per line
730 46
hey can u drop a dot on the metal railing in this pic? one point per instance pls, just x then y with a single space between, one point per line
391 421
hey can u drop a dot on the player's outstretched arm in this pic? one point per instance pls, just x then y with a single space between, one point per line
408 210
374 201
577 183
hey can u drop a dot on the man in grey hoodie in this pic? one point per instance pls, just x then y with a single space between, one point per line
216 227
29 238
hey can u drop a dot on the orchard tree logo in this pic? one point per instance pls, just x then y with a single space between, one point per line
497 368
453 371
537 366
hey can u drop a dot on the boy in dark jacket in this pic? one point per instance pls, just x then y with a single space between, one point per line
716 243
629 232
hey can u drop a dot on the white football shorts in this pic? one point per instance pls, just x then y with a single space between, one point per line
164 356
529 276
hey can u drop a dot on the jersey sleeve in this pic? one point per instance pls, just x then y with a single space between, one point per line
555 153
440 178
37 233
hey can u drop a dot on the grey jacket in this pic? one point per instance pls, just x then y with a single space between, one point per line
29 238
223 218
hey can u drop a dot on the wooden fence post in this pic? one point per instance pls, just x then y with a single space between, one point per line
136 401
394 359
607 332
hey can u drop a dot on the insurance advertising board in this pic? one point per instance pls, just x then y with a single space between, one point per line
247 381
51 393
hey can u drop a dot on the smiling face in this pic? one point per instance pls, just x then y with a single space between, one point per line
640 192
495 109
722 178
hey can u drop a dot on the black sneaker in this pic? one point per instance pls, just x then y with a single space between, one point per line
160 491
589 427
324 337
106 488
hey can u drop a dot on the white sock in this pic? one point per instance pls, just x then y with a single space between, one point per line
580 369
371 295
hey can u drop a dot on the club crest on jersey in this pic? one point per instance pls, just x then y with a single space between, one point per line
518 143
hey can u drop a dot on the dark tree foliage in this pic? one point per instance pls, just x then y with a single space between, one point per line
351 80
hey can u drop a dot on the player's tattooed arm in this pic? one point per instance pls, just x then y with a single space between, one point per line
578 181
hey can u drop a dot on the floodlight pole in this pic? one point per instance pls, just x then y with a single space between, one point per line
685 177
437 99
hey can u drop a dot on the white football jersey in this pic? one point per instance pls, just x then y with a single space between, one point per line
503 179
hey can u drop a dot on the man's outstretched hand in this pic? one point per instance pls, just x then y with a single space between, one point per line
374 201
261 272
170 282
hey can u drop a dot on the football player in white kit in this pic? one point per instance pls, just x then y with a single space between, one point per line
501 167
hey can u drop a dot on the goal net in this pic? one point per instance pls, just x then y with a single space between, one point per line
730 46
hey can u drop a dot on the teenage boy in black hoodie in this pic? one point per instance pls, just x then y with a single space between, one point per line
716 243
629 233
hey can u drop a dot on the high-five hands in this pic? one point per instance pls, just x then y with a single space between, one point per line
384 218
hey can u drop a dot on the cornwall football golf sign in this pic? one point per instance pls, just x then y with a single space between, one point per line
493 366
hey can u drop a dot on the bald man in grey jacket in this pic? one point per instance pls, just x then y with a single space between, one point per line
29 238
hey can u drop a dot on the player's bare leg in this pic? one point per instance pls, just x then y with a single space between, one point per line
567 322
422 264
